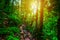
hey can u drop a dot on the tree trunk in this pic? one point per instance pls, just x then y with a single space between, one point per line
41 14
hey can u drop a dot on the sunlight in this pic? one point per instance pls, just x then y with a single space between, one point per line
34 8
20 2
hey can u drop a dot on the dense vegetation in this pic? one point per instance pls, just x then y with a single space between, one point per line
43 23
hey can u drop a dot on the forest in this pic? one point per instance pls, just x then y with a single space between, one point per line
29 19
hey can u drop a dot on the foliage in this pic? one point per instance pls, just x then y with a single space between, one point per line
18 14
